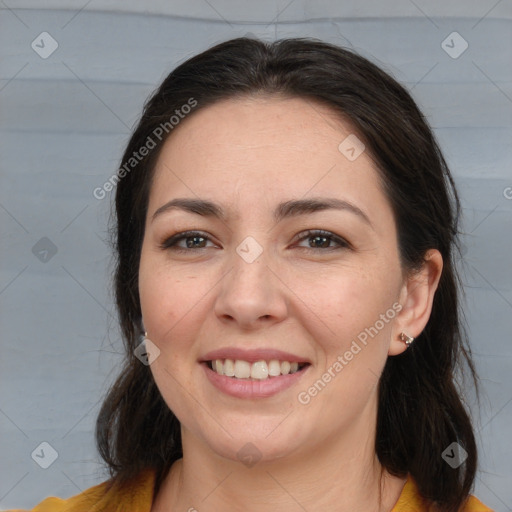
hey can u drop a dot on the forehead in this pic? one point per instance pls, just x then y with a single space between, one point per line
263 149
251 122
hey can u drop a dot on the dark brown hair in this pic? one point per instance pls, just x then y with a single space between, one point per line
420 412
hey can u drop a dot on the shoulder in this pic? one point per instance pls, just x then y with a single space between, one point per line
411 501
136 496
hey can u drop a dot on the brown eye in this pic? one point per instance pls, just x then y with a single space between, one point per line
319 239
192 240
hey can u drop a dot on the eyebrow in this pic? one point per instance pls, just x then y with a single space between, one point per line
292 208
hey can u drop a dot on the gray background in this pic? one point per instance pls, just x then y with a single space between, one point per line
64 121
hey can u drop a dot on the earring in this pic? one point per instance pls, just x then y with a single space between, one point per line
406 339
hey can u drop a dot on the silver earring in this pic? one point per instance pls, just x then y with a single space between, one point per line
406 339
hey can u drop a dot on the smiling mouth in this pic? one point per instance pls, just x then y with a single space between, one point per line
258 370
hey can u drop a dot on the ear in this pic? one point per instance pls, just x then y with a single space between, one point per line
416 298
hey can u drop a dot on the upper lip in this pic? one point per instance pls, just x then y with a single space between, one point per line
252 355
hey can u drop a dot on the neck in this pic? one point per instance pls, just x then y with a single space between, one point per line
338 474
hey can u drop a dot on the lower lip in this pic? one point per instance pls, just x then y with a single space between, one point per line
241 388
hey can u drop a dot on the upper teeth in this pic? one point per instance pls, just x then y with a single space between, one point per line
259 370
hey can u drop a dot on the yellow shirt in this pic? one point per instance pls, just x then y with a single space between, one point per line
139 497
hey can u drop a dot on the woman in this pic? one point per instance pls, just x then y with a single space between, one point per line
285 234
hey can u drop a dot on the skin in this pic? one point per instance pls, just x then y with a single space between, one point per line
248 155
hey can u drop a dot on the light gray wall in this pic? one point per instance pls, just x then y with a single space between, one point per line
64 121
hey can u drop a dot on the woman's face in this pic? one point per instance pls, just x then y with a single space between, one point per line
266 281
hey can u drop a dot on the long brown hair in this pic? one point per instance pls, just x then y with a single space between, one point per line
420 412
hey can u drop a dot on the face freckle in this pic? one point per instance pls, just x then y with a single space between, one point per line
307 283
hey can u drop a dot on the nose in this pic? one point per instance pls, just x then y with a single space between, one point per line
251 295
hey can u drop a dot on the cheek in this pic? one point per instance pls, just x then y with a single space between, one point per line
170 302
346 301
353 320
166 296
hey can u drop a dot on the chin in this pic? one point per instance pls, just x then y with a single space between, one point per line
253 451
256 441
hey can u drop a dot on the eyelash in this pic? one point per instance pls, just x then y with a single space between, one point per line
170 243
